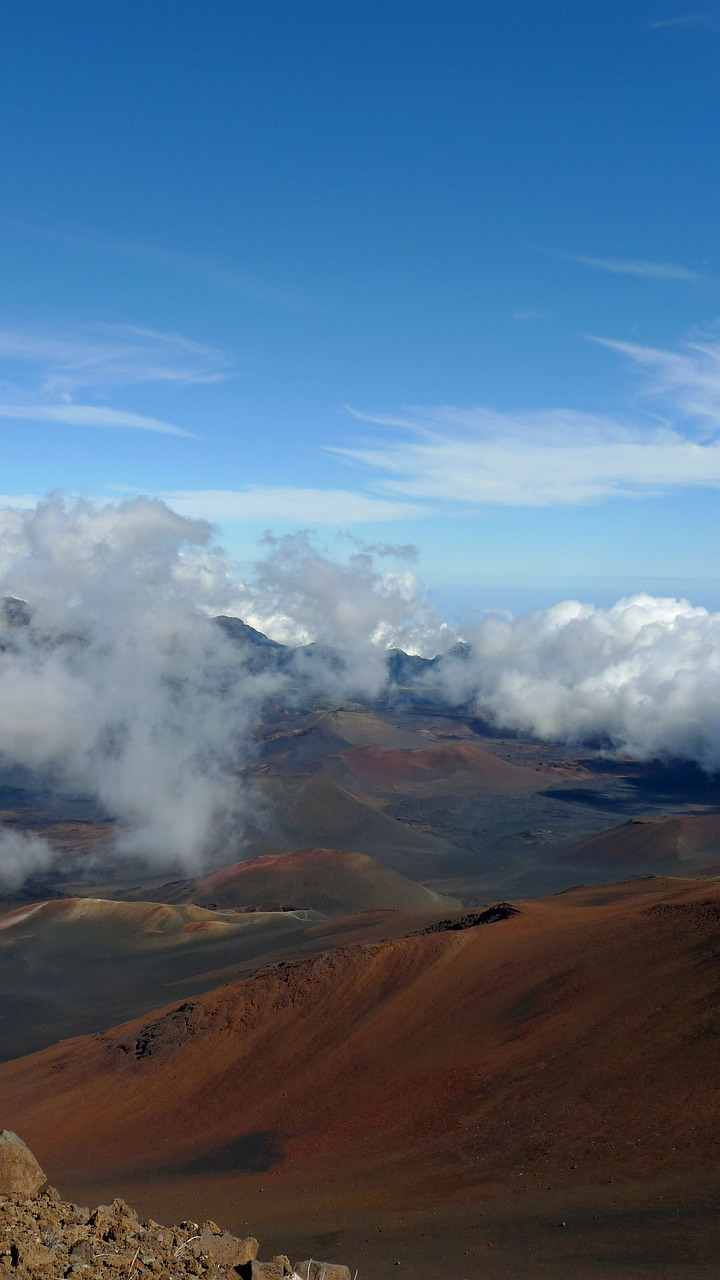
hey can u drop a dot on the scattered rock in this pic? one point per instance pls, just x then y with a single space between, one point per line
45 1238
262 1271
282 1260
113 1221
313 1270
32 1256
225 1249
20 1173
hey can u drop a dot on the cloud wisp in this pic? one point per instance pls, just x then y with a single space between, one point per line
688 378
703 21
551 457
90 415
273 505
60 379
639 267
263 505
112 355
22 855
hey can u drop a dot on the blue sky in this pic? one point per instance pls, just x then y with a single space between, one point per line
428 274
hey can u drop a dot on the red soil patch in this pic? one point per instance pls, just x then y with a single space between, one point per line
686 839
452 763
571 1044
323 879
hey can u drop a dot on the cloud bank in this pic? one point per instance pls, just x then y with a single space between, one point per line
120 687
124 688
362 605
643 675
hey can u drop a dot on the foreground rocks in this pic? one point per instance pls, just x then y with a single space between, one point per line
20 1173
44 1237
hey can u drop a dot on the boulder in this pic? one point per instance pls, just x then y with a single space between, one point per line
313 1270
225 1249
20 1173
262 1271
281 1259
33 1256
114 1221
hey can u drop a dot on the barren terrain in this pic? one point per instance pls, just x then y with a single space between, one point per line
560 1056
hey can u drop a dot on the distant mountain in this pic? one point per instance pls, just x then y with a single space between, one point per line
243 633
406 668
409 675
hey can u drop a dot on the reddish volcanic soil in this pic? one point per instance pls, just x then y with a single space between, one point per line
465 1087
686 842
453 765
321 814
324 879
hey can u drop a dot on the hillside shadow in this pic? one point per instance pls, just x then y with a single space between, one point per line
250 1153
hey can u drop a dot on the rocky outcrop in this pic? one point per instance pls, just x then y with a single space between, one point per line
471 919
20 1173
44 1238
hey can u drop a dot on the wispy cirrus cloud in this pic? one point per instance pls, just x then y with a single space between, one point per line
261 503
689 378
705 21
90 415
58 378
642 268
110 356
288 505
562 456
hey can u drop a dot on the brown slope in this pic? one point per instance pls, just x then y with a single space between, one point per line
77 965
446 767
123 926
319 813
299 743
326 880
367 728
685 842
569 1045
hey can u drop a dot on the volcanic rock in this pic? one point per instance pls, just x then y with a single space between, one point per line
262 1271
44 1238
313 1270
20 1173
225 1249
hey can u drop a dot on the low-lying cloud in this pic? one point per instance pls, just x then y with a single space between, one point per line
22 855
644 676
122 686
